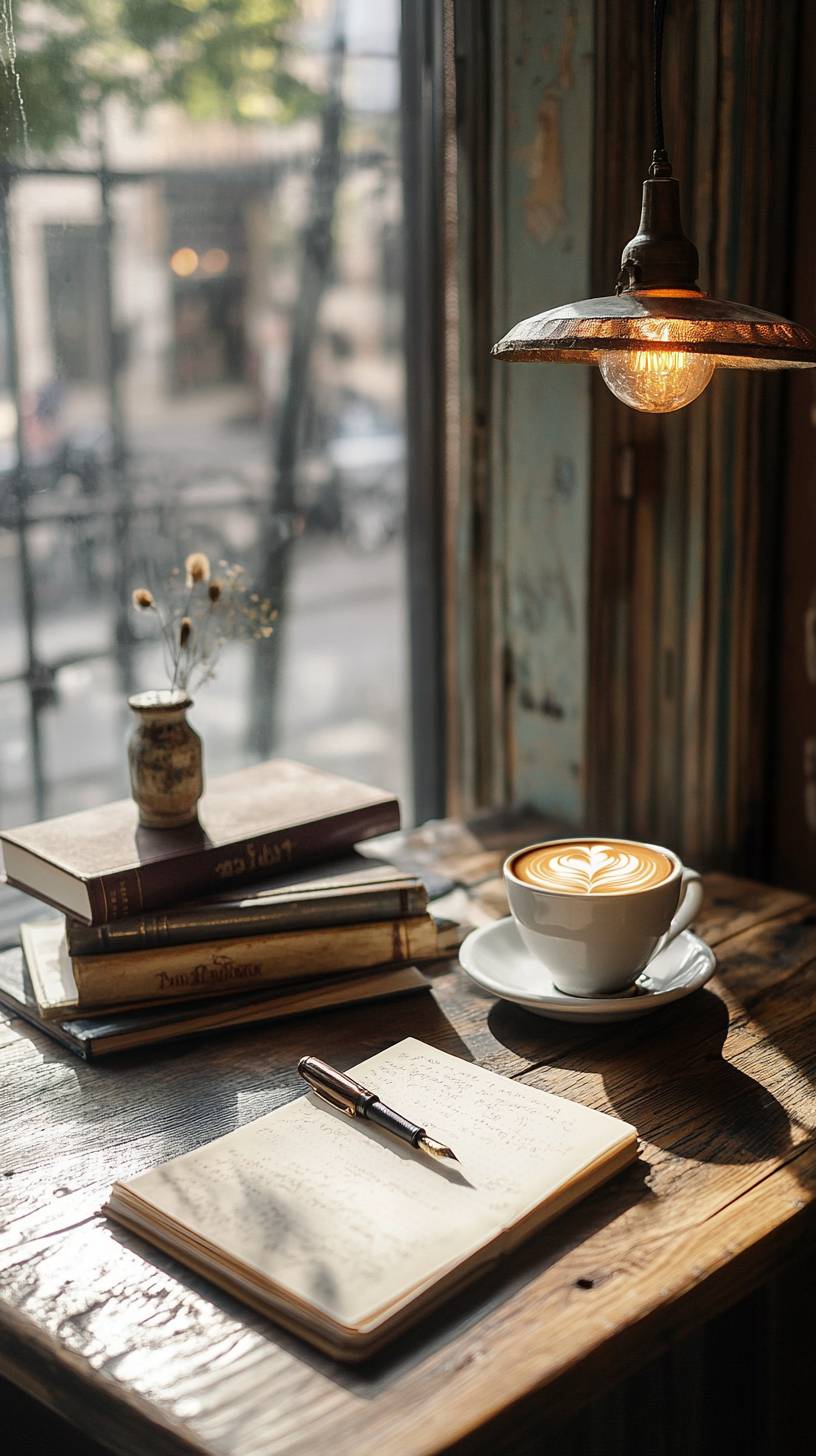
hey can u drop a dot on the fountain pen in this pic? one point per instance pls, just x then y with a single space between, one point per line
342 1092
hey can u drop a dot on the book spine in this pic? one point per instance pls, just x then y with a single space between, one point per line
214 969
98 1036
185 876
228 921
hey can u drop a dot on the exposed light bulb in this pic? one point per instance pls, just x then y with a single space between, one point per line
656 380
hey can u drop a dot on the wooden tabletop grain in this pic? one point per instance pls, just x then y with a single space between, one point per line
147 1358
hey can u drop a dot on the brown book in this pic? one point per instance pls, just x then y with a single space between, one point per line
100 865
121 1031
343 891
68 986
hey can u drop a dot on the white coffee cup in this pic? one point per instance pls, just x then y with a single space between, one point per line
596 944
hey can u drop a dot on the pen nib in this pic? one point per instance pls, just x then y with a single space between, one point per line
434 1149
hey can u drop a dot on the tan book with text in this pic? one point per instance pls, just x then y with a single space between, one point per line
122 1029
69 986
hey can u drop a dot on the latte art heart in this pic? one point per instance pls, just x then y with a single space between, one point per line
597 867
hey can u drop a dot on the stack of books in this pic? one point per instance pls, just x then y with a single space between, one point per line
262 909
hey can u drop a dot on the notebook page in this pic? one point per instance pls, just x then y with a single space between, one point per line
342 1217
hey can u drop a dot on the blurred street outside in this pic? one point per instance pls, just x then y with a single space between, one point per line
343 688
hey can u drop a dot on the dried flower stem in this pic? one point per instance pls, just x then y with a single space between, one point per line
195 627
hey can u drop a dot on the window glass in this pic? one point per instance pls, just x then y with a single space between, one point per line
203 205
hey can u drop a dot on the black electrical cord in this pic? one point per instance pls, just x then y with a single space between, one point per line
661 166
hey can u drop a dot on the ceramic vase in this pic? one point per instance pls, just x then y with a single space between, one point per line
164 753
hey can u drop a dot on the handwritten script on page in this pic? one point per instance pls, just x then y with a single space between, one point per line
340 1216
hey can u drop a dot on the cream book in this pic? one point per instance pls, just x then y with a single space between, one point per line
121 1030
66 985
342 1233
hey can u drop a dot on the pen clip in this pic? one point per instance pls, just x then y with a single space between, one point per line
335 1099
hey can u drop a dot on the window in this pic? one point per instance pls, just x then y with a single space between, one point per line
202 348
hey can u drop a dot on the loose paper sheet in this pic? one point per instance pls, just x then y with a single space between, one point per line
343 1217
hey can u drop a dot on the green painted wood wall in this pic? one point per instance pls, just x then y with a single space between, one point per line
523 435
543 158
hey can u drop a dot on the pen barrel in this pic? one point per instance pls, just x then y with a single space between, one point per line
393 1122
339 1088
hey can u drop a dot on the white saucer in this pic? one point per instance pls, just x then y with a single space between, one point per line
496 958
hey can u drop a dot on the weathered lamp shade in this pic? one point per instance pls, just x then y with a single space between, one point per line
732 335
658 339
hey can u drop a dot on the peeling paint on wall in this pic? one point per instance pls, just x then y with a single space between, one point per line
546 585
545 194
545 209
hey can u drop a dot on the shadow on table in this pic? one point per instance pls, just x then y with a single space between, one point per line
666 1074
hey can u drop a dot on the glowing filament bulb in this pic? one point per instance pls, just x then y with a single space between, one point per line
656 380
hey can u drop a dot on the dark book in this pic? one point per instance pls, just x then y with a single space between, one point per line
346 891
100 1036
101 865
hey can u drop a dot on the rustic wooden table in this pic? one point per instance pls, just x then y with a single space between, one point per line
145 1358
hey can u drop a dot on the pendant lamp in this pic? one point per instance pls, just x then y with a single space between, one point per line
658 339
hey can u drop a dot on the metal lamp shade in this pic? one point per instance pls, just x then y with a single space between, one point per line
661 319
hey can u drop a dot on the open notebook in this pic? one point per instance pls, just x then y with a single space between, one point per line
346 1235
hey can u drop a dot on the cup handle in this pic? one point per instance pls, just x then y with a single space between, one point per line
691 899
